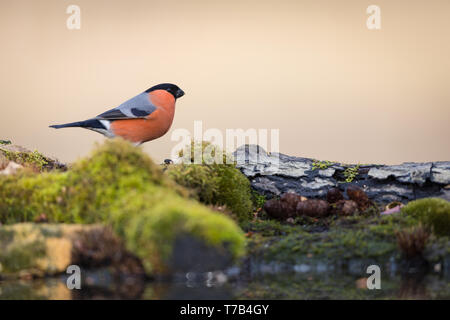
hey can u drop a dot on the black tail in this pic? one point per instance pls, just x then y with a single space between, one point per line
91 123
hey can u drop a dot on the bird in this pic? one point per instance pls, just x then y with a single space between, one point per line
145 117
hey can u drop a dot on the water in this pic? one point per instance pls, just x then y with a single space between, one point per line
298 283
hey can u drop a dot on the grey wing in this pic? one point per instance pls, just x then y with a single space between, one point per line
137 107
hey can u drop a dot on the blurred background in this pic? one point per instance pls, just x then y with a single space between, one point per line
311 68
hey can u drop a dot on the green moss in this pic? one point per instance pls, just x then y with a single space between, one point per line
22 246
21 258
32 159
152 233
267 227
350 173
321 165
334 245
47 249
258 200
334 240
432 212
204 152
121 186
216 184
84 192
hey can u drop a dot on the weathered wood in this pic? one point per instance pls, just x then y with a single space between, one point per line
276 173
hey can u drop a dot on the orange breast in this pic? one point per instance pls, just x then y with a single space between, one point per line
154 126
163 99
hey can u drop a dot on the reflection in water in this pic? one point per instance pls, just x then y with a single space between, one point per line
414 288
273 286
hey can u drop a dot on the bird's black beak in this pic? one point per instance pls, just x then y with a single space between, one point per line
179 93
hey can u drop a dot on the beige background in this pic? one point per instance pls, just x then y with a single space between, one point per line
335 89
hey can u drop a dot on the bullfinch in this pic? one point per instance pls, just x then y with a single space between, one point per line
145 117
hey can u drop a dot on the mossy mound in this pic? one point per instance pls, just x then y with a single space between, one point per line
121 186
85 192
215 183
153 231
432 212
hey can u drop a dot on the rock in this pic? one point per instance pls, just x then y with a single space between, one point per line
39 250
313 208
11 168
274 174
13 148
3 161
334 195
407 172
268 185
440 172
29 158
258 162
445 195
193 255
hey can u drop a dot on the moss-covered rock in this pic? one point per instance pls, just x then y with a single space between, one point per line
119 185
215 183
30 159
28 249
432 212
155 222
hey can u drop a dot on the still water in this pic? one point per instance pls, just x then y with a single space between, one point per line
234 285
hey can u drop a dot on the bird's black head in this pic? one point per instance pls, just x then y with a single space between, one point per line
169 87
